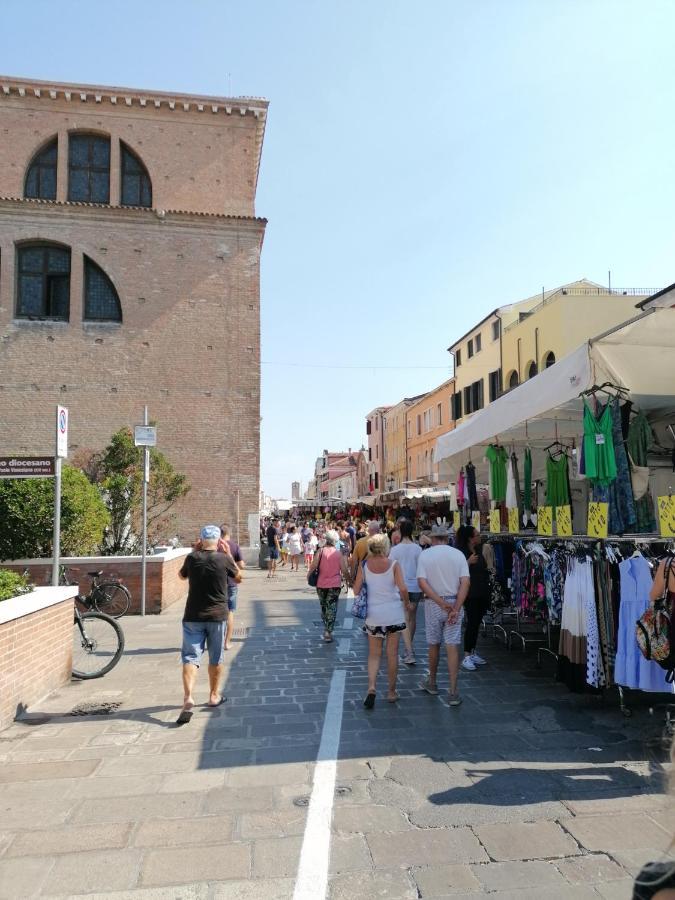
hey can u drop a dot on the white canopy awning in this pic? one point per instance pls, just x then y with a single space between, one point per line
636 355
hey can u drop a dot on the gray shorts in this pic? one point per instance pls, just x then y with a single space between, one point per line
436 624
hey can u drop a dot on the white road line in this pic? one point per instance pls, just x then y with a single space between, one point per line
348 623
312 879
344 645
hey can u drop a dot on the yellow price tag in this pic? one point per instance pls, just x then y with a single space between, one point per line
667 515
456 521
495 521
598 519
563 516
545 520
475 520
514 523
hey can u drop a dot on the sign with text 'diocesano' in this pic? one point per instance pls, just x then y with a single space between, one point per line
26 466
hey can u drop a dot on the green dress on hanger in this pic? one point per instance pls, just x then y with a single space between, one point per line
599 458
557 485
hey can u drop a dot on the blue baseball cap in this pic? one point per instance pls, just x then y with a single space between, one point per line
210 533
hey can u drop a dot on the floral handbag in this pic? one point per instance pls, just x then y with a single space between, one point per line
360 604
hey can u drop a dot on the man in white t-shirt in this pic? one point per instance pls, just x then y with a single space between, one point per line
443 576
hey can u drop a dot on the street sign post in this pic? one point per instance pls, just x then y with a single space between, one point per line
145 436
61 453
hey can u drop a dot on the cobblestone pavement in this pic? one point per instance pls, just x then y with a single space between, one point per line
524 791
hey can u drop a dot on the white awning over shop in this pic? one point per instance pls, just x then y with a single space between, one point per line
638 355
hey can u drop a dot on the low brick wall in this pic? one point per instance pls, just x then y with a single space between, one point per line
36 647
163 587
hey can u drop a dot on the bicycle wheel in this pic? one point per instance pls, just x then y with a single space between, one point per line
98 642
111 598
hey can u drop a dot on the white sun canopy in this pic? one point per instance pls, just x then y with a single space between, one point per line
638 355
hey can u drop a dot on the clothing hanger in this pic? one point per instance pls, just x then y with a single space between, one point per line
602 388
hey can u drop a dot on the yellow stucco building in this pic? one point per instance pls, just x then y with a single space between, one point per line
558 323
515 342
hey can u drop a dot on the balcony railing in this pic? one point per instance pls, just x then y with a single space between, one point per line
581 292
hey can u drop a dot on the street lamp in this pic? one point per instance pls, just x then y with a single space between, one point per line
339 492
390 482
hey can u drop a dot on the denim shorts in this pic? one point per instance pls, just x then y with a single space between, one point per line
273 553
232 591
198 636
415 596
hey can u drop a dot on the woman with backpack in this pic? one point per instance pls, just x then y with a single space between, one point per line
332 568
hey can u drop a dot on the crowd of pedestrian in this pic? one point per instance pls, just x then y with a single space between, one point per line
400 573
397 571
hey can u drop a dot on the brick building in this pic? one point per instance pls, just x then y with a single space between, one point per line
129 254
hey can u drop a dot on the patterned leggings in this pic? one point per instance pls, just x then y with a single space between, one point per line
329 602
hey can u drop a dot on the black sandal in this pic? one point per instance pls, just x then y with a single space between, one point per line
369 702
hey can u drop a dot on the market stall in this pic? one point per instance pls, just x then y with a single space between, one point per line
584 453
633 362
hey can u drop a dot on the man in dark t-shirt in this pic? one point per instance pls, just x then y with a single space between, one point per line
205 616
272 548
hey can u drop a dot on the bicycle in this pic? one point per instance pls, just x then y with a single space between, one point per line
98 644
109 597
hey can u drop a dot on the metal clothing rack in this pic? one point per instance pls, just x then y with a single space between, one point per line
634 539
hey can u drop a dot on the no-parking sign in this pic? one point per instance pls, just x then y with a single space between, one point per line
61 431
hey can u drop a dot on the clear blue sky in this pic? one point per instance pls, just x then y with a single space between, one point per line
424 163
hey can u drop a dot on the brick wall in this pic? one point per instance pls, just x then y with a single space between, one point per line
197 161
163 587
189 347
35 657
189 286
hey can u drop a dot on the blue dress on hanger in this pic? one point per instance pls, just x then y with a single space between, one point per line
631 668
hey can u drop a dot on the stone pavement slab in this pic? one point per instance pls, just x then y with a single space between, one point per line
591 869
508 876
632 831
433 846
23 877
185 832
95 870
210 863
526 840
69 840
385 884
442 880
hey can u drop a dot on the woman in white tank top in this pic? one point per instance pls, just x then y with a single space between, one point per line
386 618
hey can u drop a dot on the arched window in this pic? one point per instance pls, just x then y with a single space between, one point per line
89 168
532 369
136 184
43 282
101 300
549 360
513 380
41 175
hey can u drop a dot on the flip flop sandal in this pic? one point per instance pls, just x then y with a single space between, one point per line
369 702
393 699
184 717
219 703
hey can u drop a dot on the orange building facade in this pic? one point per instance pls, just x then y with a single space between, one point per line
426 420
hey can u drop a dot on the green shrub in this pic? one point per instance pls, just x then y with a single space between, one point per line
12 584
27 516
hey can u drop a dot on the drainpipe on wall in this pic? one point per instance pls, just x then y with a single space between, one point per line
518 345
536 348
